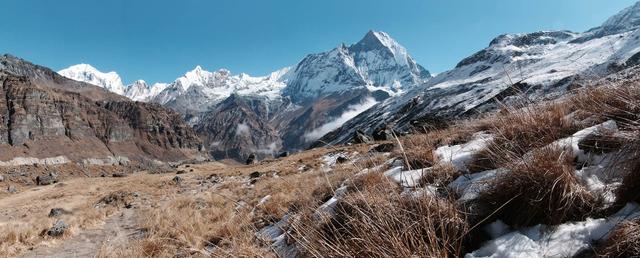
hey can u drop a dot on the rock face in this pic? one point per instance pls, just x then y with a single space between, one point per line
43 115
238 127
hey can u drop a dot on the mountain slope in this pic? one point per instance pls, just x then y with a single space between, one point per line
317 95
537 65
291 107
48 117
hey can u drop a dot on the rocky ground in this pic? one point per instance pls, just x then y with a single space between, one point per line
105 215
550 179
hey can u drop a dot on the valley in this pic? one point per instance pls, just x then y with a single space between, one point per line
526 148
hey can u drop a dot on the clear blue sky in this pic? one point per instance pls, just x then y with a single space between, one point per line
159 40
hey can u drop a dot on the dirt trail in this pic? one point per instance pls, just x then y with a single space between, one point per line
116 232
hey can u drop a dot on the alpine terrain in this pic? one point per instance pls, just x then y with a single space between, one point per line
240 115
528 148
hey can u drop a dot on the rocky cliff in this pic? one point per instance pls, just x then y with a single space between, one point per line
44 117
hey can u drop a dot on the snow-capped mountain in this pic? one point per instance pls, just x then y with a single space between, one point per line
536 65
296 104
376 62
198 90
86 73
141 91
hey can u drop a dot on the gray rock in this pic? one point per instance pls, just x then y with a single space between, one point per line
283 154
360 137
385 147
58 229
119 175
177 180
252 159
255 175
49 179
57 212
12 189
382 134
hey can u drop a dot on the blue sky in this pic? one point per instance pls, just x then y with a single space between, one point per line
160 40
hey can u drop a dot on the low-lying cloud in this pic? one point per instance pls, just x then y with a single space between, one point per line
243 129
351 112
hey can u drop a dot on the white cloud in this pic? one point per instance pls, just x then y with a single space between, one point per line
351 112
243 129
270 149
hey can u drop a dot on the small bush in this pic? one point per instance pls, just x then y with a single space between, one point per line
624 241
384 224
518 131
539 190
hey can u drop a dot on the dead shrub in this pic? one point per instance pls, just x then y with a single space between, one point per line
629 166
417 150
518 131
618 102
541 189
116 199
624 241
601 142
383 224
440 175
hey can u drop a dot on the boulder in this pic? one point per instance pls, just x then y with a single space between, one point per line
360 137
252 159
51 178
214 178
57 212
12 189
254 175
1 178
58 229
283 154
342 159
382 134
385 147
177 180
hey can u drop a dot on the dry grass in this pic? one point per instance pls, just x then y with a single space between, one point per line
518 131
417 151
374 218
618 102
440 175
222 222
624 241
383 223
541 189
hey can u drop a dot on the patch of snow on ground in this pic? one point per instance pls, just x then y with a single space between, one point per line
409 178
469 186
460 155
564 240
571 143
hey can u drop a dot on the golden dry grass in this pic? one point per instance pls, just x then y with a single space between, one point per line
542 186
380 222
624 241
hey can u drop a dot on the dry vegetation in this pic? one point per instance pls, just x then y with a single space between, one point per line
624 241
379 223
544 187
217 209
